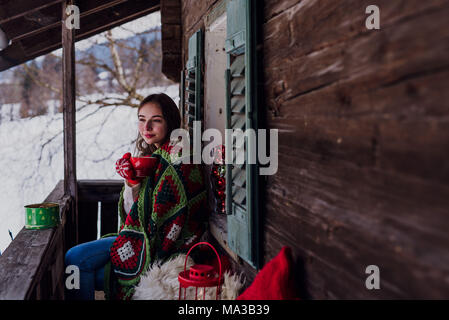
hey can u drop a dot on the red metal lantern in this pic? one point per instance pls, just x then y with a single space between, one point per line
200 276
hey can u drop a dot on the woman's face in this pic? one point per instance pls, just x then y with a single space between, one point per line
152 125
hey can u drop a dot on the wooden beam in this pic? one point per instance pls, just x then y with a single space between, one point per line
90 7
48 280
171 38
99 190
12 10
91 25
36 22
50 40
116 16
12 56
69 99
33 23
21 263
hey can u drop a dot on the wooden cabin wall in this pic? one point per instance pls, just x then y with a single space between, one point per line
363 174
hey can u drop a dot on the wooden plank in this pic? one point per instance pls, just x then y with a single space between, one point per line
384 214
386 58
88 217
12 10
99 190
274 8
38 21
373 130
238 86
91 24
170 13
309 25
239 195
109 217
171 38
363 138
238 104
219 230
348 219
107 192
181 104
92 7
12 55
336 101
69 116
238 122
171 63
50 273
50 39
58 270
238 66
196 10
239 176
21 261
33 22
363 143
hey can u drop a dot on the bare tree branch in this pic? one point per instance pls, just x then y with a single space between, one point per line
29 70
117 63
128 67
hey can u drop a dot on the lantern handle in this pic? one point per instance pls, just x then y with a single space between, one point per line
216 253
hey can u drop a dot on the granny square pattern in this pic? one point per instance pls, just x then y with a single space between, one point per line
168 218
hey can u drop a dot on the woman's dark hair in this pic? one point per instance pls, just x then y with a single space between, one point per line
170 112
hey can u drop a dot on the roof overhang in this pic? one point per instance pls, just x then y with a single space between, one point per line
34 26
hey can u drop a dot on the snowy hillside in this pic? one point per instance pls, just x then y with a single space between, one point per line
32 161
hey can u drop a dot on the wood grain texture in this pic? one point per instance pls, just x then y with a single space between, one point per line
105 192
109 217
363 126
39 38
69 115
363 139
171 38
24 264
32 267
88 217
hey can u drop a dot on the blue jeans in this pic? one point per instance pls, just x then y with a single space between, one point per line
90 257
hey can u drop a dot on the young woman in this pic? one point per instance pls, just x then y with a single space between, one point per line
161 215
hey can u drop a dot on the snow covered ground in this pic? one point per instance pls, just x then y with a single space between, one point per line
32 160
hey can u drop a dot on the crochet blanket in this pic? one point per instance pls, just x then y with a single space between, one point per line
168 217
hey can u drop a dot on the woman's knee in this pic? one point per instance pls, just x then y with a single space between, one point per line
89 255
73 256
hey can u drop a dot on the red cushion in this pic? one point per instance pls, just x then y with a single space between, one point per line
275 280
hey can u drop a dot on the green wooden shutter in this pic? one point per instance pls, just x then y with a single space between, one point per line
241 180
182 88
193 81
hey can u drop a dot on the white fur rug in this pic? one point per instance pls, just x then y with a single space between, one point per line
160 282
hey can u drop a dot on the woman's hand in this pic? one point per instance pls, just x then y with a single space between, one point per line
125 169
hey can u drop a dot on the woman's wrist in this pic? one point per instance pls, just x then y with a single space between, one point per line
132 183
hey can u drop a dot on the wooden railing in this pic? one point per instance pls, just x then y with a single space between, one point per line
32 267
97 197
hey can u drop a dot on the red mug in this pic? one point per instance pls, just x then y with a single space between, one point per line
143 165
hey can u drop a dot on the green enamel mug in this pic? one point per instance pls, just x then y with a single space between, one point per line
41 215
